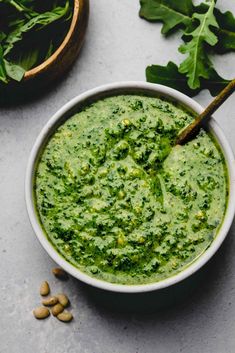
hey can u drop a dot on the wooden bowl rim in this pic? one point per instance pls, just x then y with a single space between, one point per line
45 64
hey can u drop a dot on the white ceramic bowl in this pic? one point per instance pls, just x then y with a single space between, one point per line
67 111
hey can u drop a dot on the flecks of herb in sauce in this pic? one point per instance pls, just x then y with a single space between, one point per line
119 202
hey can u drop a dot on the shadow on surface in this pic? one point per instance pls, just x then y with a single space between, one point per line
169 302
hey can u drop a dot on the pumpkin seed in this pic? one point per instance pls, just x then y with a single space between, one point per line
57 309
45 288
65 316
41 313
50 301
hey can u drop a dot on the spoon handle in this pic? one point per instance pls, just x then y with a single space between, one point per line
206 114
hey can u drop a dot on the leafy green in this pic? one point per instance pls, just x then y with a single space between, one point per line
14 71
225 32
179 14
198 62
3 74
19 6
170 76
28 59
205 30
215 83
30 34
39 21
172 13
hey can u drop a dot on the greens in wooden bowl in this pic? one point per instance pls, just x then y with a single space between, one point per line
30 32
39 41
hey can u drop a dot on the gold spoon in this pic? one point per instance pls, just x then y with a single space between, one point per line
192 128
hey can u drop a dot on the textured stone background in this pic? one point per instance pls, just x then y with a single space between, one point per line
118 47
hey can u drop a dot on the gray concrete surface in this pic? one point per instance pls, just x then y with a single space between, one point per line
118 47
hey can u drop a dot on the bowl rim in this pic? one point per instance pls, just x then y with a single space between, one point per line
48 62
99 93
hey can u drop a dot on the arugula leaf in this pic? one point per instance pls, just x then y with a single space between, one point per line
49 50
197 64
3 74
32 31
13 71
172 13
27 59
39 21
170 76
2 36
225 32
215 83
19 6
175 15
205 30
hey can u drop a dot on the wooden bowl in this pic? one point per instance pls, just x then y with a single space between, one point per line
54 67
60 61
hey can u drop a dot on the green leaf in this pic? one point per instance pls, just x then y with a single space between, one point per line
50 50
206 29
170 76
176 15
3 74
215 83
197 64
2 36
225 32
13 71
37 22
27 59
20 7
172 13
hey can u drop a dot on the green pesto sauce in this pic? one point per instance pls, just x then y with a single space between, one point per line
119 202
